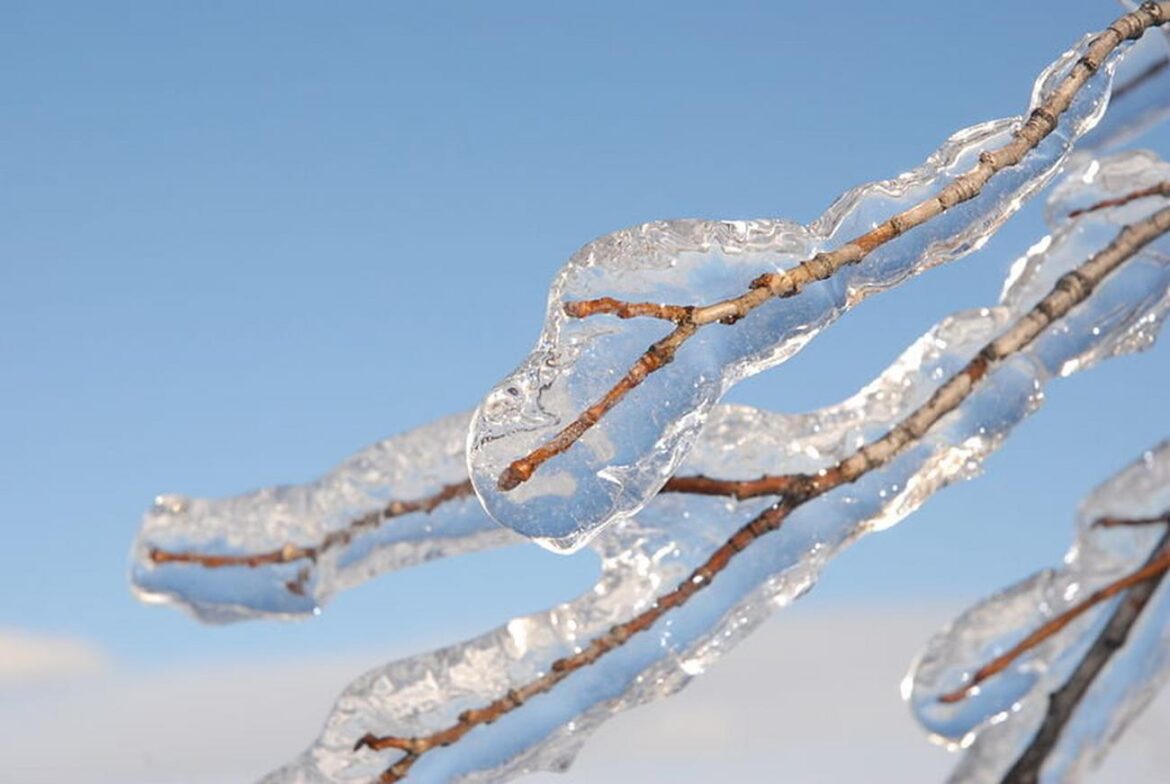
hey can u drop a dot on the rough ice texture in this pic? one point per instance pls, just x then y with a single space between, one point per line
406 467
647 554
1000 720
620 463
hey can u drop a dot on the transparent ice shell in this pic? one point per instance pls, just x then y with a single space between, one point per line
415 465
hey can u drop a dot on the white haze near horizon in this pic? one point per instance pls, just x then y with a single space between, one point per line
811 697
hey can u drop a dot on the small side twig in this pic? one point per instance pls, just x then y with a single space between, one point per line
1070 290
773 285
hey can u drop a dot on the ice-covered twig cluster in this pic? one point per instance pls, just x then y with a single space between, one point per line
1096 637
524 696
589 427
689 572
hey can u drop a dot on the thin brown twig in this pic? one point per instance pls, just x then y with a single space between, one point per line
1063 702
1040 123
1070 290
1153 568
1161 189
342 536
697 485
1113 522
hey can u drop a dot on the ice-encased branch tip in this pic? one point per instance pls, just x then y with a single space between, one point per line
290 552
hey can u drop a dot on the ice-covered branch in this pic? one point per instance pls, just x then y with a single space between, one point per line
1157 189
291 552
1052 670
563 402
283 551
1154 568
524 696
1063 703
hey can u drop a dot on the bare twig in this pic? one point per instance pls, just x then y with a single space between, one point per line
1161 189
1042 121
1112 522
1064 701
1155 567
1070 290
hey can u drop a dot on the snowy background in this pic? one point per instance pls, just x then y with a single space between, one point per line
241 242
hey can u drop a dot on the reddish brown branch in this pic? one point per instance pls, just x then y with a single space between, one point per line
583 308
1071 285
343 536
1161 189
698 485
1112 522
1070 290
1153 568
1063 703
658 355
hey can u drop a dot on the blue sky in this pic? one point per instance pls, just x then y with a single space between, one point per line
242 240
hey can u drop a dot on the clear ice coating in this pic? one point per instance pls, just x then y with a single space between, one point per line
343 516
647 554
623 460
1140 95
998 721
